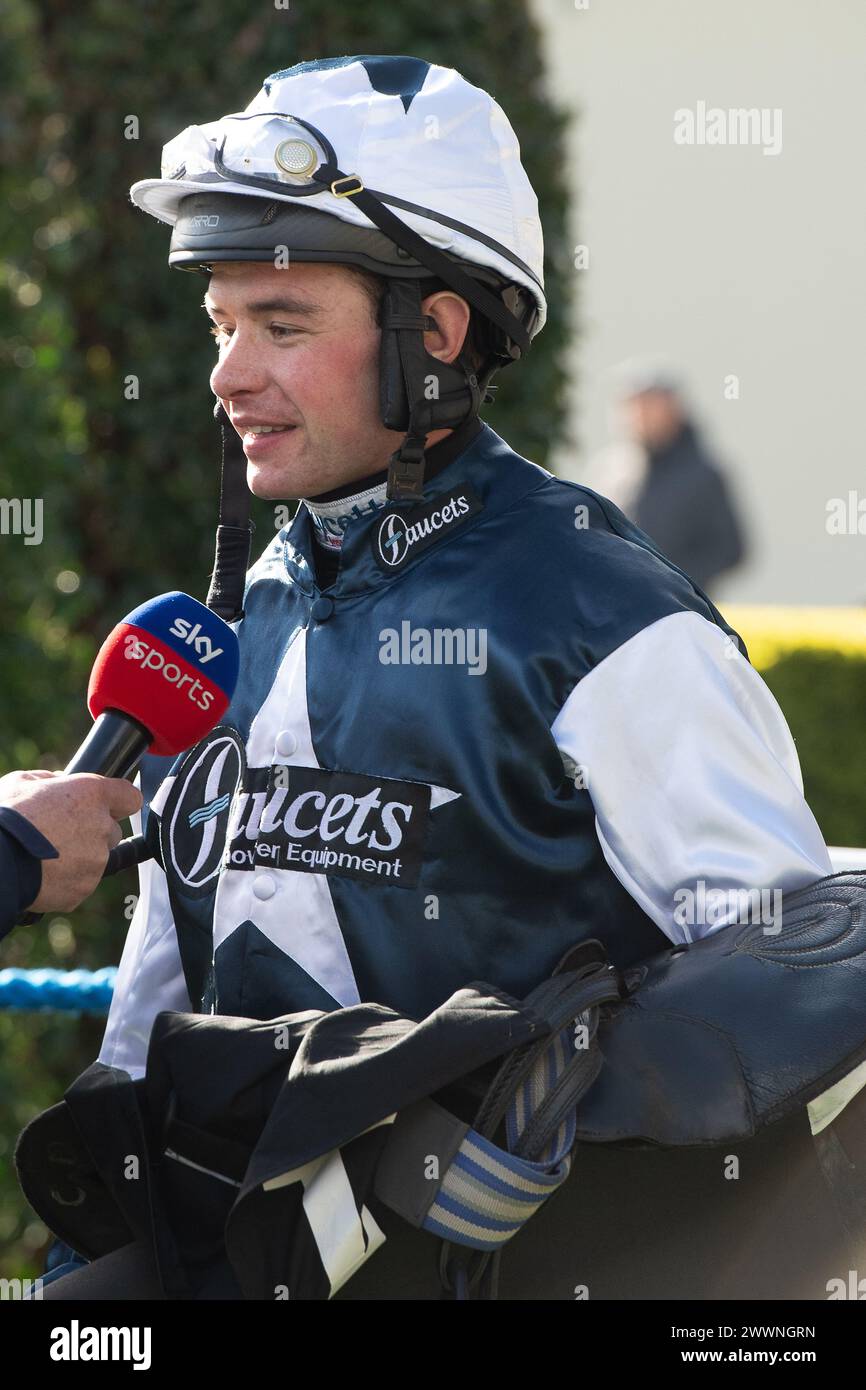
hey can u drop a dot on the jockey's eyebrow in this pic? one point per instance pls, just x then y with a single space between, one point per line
286 304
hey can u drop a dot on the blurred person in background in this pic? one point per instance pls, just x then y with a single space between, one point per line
666 481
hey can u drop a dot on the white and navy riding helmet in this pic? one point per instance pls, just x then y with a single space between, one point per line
390 163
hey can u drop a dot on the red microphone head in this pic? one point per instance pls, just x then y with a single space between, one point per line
172 665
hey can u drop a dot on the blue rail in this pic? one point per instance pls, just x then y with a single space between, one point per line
78 991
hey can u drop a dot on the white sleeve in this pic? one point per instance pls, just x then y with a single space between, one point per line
150 977
694 778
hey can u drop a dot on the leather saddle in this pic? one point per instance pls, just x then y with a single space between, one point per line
738 1030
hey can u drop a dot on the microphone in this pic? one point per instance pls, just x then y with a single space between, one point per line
162 679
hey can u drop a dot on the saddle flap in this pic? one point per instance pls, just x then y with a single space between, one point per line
739 1029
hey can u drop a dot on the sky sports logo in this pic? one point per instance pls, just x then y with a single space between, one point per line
192 636
134 649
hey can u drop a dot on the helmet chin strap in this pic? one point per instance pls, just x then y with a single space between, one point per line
418 392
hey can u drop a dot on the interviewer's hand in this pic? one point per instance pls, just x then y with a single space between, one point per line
79 813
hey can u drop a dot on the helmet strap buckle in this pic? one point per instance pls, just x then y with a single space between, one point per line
406 470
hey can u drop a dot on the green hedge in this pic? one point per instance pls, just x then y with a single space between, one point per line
814 661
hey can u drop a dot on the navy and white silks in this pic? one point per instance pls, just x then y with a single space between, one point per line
509 725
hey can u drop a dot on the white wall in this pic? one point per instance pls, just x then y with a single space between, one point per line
725 260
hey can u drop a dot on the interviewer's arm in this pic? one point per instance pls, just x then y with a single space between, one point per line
22 849
69 821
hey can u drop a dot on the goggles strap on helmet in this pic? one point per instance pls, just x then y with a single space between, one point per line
423 251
